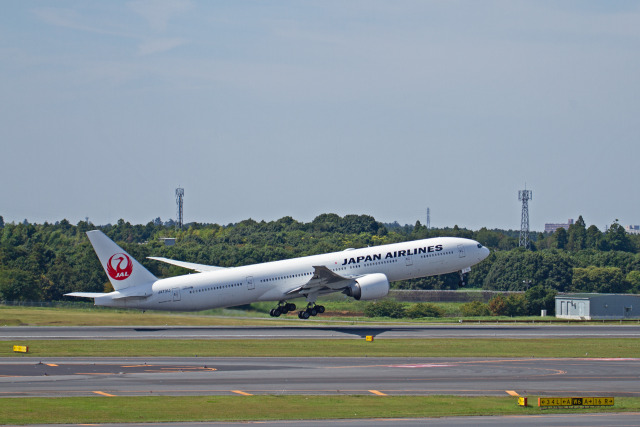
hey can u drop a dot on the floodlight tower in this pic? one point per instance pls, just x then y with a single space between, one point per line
179 199
524 196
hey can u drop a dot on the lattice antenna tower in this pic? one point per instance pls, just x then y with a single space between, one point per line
179 201
524 196
428 219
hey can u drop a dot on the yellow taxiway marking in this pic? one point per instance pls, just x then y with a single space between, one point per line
512 393
95 373
102 393
241 392
376 392
51 364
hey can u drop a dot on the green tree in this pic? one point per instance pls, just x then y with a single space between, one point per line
561 238
511 271
617 238
594 238
18 285
599 279
540 298
633 279
577 235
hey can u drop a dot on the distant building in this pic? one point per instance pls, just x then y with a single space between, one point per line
551 228
168 241
632 229
598 306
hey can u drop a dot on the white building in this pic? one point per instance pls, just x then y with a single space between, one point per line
632 229
552 227
598 306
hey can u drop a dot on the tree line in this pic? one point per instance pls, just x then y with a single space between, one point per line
41 262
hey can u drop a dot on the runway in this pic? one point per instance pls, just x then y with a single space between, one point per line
314 331
629 419
55 377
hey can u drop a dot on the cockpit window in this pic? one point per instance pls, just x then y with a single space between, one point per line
479 246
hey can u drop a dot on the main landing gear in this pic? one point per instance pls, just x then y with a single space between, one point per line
282 308
312 310
285 307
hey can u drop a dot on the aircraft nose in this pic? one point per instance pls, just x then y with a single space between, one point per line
484 252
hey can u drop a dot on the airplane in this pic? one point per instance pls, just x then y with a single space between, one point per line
363 274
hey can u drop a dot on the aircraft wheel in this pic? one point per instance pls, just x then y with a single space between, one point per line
271 313
284 309
276 312
312 311
320 309
291 307
304 314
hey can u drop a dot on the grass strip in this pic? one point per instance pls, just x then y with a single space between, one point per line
76 410
548 348
101 316
43 316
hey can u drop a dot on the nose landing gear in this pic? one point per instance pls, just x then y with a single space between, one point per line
463 277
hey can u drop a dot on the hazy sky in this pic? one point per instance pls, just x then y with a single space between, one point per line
264 109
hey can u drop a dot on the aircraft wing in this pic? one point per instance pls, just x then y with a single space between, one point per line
323 281
201 268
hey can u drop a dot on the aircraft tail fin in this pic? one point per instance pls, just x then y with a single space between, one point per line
121 268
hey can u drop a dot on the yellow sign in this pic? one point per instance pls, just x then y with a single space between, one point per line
575 401
21 348
522 401
369 338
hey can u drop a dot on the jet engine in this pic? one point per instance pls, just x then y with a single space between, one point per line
370 286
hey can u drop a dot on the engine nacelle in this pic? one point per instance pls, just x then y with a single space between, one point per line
371 286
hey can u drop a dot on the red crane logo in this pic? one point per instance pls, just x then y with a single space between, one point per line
119 266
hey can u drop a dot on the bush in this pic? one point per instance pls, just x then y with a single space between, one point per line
385 308
422 309
516 305
474 309
513 305
498 306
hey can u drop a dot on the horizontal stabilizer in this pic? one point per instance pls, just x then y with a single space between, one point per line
188 265
135 292
87 294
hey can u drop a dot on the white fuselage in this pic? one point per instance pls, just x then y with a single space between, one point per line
272 280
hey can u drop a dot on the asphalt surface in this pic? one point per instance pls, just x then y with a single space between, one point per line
20 377
311 331
52 377
586 420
